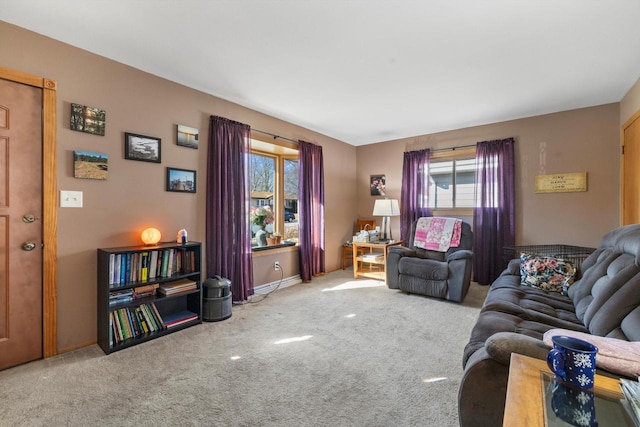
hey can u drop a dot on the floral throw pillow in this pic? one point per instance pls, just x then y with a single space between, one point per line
546 273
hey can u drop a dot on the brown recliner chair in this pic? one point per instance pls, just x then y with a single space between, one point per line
444 275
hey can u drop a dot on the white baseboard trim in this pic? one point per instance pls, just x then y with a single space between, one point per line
269 287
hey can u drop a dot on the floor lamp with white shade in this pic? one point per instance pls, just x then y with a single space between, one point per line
386 208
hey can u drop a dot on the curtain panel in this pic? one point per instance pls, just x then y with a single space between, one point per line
494 214
414 196
311 210
228 228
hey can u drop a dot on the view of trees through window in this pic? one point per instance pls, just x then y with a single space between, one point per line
274 183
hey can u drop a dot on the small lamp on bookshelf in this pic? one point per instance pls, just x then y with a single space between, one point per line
150 236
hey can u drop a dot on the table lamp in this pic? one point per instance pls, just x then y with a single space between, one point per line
386 208
150 236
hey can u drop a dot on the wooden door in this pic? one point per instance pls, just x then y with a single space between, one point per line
631 172
20 223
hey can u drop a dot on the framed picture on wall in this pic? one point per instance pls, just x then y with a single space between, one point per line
90 165
181 180
88 119
142 148
187 136
378 185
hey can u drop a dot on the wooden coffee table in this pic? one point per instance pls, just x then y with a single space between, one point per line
529 390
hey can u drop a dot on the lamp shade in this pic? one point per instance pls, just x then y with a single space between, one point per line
386 207
150 236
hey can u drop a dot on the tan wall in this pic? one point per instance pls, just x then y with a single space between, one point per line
584 140
133 197
630 104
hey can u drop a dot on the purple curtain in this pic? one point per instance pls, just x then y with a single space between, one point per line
414 195
228 229
311 210
494 214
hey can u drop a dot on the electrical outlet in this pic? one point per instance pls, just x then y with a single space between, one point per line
276 265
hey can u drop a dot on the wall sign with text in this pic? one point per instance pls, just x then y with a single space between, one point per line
561 183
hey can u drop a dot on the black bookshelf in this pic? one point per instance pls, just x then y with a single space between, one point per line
134 320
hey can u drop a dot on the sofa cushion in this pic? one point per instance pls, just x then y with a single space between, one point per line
508 296
606 298
491 322
546 272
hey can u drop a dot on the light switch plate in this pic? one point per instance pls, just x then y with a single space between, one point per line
70 199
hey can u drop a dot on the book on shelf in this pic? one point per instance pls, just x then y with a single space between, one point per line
144 291
144 266
180 285
153 264
372 256
178 318
117 297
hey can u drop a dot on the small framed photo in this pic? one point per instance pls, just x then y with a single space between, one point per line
142 148
378 185
88 119
89 165
181 180
187 136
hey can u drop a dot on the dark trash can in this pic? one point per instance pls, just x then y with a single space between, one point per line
216 299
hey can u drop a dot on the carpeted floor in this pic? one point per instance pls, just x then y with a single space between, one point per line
334 352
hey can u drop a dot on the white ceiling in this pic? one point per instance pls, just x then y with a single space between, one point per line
365 71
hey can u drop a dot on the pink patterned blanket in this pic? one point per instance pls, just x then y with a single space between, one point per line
437 233
614 355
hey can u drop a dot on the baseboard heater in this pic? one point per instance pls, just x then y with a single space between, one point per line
286 282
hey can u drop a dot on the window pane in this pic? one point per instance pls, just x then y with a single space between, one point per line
452 184
262 186
290 200
465 183
441 185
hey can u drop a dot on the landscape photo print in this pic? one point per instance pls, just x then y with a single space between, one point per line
181 180
89 165
142 148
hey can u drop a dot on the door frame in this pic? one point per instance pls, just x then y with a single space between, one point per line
626 124
49 208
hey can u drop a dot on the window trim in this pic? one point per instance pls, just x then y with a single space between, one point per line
280 151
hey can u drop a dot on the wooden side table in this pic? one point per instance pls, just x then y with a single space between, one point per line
367 264
529 394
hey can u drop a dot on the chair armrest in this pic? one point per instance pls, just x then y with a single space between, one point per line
394 255
401 251
461 254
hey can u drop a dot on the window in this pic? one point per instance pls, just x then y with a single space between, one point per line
274 183
452 180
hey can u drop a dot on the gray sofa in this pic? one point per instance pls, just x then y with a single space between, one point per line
604 301
444 275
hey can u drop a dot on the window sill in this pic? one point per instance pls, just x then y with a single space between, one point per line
288 246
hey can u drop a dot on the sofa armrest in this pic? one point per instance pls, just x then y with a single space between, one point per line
500 346
513 268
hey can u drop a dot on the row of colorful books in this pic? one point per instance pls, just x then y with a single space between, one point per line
148 265
133 322
127 295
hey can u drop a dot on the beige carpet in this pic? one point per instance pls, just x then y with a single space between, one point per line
335 352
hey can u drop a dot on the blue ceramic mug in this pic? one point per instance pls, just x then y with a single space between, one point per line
573 361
